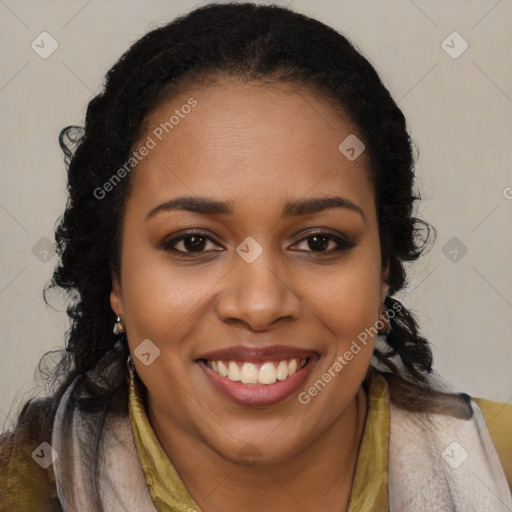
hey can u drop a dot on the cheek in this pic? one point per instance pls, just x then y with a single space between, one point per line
348 297
155 296
349 307
159 301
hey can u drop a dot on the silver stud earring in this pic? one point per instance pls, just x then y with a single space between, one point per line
118 326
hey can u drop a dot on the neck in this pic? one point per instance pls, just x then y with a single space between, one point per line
314 479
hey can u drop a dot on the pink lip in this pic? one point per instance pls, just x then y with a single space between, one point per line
258 354
257 395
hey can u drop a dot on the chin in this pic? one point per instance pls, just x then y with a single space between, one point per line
257 452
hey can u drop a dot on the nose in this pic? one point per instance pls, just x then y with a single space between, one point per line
258 294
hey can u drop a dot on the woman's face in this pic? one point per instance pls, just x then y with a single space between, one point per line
252 282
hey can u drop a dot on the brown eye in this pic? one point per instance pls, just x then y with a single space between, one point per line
188 243
194 243
320 242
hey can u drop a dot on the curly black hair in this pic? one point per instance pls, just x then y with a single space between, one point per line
252 42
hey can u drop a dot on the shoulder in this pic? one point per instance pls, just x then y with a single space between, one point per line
26 485
498 417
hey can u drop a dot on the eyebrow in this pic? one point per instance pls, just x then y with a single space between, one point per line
208 206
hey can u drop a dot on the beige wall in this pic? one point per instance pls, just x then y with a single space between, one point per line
459 112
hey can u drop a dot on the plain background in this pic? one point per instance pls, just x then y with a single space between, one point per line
459 112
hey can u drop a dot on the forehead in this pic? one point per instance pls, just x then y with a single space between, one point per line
249 142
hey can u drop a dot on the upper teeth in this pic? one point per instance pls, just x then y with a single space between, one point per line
249 373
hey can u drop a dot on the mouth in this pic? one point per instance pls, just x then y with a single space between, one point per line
258 377
266 373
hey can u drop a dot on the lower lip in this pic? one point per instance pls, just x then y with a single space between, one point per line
258 395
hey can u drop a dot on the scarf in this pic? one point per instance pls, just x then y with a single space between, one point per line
435 462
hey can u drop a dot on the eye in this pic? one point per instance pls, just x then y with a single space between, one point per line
189 243
319 242
196 242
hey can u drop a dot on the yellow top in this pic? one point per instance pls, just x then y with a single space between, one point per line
370 486
26 487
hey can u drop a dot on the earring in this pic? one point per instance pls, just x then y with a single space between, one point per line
129 363
384 319
130 370
118 326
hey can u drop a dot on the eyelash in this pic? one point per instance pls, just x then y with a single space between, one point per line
342 244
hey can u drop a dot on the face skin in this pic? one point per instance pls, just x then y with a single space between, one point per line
257 146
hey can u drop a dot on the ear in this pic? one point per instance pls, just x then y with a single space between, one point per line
116 296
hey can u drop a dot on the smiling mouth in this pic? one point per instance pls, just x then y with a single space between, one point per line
266 373
261 377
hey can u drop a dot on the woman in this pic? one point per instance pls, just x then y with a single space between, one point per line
240 210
